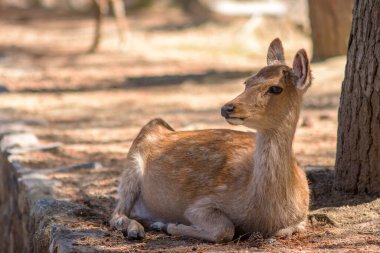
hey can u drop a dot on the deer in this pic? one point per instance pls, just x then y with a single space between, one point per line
101 9
215 184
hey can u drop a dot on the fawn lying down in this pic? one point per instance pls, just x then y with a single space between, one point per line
205 184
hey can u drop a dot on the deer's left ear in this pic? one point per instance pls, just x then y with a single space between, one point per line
275 53
301 69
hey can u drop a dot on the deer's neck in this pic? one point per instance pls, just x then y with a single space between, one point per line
274 160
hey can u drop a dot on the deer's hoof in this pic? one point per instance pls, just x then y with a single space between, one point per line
135 231
134 234
159 226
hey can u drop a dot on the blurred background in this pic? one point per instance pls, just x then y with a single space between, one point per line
89 74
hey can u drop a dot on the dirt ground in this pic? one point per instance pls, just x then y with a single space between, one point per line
95 104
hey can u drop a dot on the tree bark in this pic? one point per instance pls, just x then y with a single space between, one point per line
358 144
330 22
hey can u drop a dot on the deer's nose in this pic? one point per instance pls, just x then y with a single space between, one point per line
227 109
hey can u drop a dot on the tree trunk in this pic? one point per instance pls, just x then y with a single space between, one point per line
330 22
358 148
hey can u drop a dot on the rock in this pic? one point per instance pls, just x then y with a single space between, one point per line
18 140
321 219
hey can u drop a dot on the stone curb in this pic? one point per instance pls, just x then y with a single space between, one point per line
31 218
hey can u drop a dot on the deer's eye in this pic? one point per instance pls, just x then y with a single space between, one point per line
275 90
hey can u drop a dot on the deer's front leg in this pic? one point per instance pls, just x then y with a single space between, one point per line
128 194
285 232
207 223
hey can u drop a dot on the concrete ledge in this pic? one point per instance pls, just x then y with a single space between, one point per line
32 220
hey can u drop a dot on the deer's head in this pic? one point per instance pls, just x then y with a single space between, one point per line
273 94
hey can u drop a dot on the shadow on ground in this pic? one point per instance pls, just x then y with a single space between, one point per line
211 76
321 181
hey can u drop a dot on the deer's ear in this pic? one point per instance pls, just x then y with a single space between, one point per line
275 53
301 69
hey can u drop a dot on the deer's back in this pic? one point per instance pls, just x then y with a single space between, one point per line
181 168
